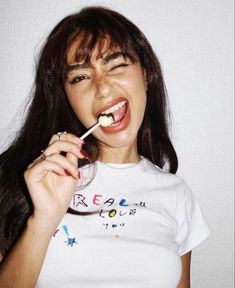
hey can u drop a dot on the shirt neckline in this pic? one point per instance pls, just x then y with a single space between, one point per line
122 165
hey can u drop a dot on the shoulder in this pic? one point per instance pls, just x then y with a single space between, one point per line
168 181
169 190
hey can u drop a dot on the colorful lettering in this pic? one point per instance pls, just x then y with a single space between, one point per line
110 201
112 213
122 202
95 199
79 199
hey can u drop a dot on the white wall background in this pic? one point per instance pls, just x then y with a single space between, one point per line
194 41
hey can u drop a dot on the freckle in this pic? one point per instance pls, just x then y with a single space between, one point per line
116 236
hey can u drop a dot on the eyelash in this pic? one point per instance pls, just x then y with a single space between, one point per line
120 65
80 78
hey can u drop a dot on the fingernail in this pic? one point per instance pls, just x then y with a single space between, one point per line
80 144
79 175
80 141
67 173
85 154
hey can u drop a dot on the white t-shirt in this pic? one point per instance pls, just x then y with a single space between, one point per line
135 222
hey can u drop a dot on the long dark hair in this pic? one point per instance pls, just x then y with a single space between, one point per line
50 111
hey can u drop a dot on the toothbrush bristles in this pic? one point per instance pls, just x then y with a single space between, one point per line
106 120
103 120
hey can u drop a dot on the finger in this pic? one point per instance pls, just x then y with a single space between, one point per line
57 148
69 164
36 172
64 146
72 158
63 136
65 163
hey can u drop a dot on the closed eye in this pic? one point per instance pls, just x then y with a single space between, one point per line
118 66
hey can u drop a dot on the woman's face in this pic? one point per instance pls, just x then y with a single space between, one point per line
109 84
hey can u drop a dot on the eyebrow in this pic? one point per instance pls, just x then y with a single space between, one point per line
77 66
116 55
106 60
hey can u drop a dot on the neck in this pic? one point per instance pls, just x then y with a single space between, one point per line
119 155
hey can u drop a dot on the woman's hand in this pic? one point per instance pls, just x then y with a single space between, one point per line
51 178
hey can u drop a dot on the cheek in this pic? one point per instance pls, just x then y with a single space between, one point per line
71 95
140 81
78 105
139 94
74 102
135 80
135 84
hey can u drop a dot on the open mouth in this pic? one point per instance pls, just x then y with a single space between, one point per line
117 111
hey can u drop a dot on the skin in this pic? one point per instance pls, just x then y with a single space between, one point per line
51 189
185 277
96 86
89 89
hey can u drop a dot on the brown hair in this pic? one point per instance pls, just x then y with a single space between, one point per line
50 111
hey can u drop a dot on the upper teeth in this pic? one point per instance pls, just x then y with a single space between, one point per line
115 107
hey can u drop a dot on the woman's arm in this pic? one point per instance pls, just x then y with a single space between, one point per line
21 267
185 277
51 182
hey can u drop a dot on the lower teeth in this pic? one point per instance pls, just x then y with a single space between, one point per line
119 121
115 124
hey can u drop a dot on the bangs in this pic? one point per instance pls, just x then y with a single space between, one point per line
102 39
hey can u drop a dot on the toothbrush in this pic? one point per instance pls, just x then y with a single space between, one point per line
103 120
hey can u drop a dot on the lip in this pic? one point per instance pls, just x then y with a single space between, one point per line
109 105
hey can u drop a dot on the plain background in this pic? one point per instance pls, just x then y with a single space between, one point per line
194 42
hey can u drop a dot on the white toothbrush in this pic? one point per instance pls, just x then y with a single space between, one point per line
103 120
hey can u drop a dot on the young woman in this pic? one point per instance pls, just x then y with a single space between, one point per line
108 211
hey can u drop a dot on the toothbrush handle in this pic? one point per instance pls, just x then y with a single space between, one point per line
90 130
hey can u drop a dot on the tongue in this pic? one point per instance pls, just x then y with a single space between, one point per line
119 114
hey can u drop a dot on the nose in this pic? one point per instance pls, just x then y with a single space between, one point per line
103 86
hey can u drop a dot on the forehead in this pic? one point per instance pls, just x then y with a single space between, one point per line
86 45
80 52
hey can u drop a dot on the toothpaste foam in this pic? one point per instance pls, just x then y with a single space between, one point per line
106 120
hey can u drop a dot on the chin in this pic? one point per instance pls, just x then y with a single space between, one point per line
120 141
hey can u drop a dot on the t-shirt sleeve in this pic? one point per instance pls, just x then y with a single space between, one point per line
192 226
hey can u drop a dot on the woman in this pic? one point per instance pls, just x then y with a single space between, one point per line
123 219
